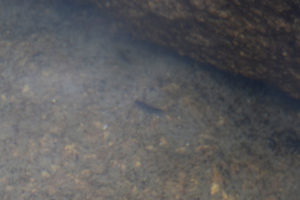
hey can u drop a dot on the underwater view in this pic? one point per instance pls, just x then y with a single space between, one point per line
90 113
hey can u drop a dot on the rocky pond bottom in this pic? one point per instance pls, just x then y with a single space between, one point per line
87 113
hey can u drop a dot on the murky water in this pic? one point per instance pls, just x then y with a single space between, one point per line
90 113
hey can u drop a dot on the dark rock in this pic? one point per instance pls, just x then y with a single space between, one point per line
259 39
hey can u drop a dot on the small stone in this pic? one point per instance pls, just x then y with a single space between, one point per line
45 174
105 126
138 164
26 89
163 142
214 189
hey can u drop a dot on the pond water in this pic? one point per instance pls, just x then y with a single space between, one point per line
88 112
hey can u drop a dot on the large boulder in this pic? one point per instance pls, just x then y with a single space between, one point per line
259 39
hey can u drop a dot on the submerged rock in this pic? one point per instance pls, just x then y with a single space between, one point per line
258 39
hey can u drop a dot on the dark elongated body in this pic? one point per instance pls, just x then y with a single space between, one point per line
148 108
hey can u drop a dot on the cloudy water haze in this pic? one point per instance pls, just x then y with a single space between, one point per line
88 112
